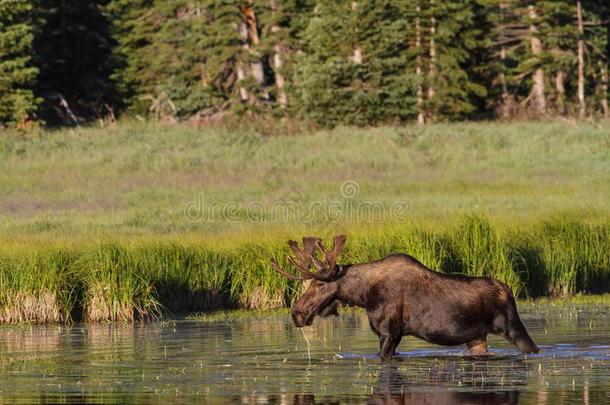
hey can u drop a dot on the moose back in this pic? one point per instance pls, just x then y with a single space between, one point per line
402 297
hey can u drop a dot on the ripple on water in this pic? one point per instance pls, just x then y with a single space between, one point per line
270 361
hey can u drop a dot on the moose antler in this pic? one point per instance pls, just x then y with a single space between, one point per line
327 270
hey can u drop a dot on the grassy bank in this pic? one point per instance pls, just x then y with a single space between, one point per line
138 278
144 219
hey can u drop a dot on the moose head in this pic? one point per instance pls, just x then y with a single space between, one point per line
320 298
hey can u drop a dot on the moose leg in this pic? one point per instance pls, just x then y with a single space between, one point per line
374 328
478 347
388 345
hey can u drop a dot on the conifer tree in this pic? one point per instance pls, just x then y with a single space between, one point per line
282 28
452 38
132 32
73 49
17 74
336 87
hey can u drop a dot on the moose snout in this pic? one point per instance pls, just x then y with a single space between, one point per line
300 319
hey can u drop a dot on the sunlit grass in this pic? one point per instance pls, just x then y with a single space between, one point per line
140 179
141 220
36 285
129 279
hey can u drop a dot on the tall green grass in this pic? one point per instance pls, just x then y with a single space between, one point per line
575 257
126 280
116 286
36 285
478 250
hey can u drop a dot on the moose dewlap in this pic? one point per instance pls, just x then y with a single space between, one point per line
402 297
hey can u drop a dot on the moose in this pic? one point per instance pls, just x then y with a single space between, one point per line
402 297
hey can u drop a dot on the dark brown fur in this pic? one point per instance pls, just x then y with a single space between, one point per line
402 297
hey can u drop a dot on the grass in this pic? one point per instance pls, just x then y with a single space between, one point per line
36 285
133 279
142 220
150 179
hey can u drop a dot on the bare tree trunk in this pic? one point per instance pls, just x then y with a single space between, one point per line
244 95
605 72
357 53
538 94
505 110
560 88
604 90
421 120
250 40
432 66
278 63
581 62
506 104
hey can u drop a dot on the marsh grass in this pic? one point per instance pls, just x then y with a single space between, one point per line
188 277
254 283
477 250
116 285
138 279
576 257
36 285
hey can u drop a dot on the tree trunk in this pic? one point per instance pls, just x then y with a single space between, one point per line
251 40
278 63
421 120
357 53
506 105
560 88
581 62
538 94
432 67
604 90
605 71
244 95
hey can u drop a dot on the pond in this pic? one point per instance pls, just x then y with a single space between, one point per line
265 359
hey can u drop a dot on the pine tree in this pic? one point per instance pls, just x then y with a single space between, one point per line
17 74
452 38
355 68
282 26
72 50
132 32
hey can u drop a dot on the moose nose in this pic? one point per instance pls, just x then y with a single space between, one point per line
298 318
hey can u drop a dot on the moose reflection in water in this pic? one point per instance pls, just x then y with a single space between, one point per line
393 388
403 297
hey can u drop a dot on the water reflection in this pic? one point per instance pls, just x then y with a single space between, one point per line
268 361
394 388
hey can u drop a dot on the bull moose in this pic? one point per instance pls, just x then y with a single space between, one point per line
402 297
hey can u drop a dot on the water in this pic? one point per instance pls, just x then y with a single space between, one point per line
254 360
